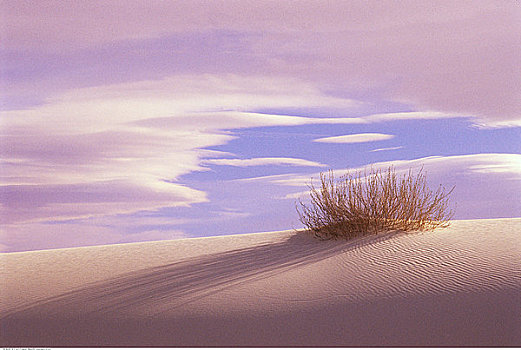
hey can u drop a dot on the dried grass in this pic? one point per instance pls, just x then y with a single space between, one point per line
373 202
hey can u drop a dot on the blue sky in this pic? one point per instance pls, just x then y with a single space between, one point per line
134 121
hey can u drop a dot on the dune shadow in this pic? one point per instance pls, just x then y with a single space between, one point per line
181 282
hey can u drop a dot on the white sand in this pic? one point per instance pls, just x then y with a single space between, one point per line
457 286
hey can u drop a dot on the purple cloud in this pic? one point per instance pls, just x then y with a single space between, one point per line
448 57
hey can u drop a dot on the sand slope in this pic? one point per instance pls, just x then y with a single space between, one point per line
457 286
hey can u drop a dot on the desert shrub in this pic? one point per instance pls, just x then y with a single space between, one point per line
374 201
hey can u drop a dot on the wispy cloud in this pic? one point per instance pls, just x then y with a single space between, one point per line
121 148
263 161
486 185
42 202
451 166
506 164
385 117
386 149
355 138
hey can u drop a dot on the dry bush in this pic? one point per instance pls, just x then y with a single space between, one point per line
373 202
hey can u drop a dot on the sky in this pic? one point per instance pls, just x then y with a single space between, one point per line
130 121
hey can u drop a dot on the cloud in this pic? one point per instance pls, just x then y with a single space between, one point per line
486 185
355 138
155 19
506 164
486 124
450 166
211 121
97 109
461 63
386 149
385 117
29 203
263 161
451 57
122 148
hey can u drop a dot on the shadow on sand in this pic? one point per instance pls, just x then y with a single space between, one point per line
97 315
185 281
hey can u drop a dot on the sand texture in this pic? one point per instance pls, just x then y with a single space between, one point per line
450 287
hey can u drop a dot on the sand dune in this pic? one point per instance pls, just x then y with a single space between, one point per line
455 286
